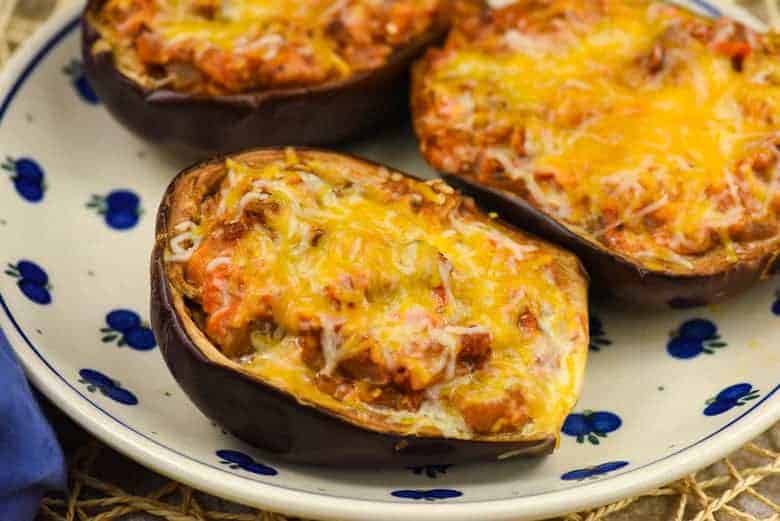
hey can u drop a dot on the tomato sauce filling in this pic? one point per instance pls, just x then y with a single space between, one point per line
222 47
652 131
377 290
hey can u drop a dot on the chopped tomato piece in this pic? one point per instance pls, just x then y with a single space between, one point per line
733 49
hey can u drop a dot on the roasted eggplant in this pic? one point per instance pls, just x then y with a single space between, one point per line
204 75
332 311
640 136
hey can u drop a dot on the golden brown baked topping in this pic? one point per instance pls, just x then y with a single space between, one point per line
357 287
234 46
641 126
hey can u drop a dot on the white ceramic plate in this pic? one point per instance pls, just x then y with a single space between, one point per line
75 248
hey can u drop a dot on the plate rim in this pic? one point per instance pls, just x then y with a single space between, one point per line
171 463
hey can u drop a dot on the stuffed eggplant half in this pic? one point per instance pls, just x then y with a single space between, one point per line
336 312
224 75
636 134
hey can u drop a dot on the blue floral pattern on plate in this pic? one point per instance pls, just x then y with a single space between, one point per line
591 426
97 381
432 471
427 495
776 304
732 396
124 327
120 208
27 176
694 337
198 452
238 460
32 281
75 71
594 471
598 337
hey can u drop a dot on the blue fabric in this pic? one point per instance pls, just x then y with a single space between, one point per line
31 461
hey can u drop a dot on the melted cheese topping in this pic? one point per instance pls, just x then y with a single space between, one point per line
373 294
216 46
652 131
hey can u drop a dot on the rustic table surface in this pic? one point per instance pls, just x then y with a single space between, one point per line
106 486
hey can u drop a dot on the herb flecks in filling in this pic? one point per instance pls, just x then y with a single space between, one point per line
652 131
369 289
231 46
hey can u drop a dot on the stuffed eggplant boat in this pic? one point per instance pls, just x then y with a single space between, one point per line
335 312
223 75
636 134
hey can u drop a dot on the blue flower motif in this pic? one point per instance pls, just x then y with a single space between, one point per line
776 304
598 337
733 396
97 381
428 495
591 425
238 460
75 71
125 327
592 472
32 281
120 208
694 337
27 176
432 471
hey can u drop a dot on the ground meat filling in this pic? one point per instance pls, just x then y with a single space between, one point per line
651 130
387 292
364 373
231 46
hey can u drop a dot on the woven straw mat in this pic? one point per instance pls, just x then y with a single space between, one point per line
105 486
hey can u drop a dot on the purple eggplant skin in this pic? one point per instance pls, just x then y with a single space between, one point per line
276 421
196 126
614 276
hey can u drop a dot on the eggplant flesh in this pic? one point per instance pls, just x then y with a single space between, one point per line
294 428
194 126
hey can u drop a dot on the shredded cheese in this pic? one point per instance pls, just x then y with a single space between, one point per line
395 293
210 47
216 262
180 252
627 121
